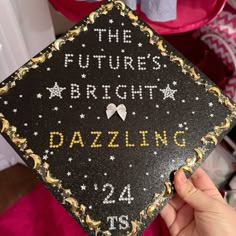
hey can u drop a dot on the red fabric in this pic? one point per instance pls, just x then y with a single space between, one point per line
190 14
201 56
40 214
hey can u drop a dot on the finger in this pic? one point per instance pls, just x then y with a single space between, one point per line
168 214
176 202
194 197
201 180
183 218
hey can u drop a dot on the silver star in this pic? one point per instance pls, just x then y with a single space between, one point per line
35 133
95 187
55 91
45 157
210 104
5 102
140 45
68 173
168 92
70 159
180 125
111 21
55 109
82 116
83 76
83 187
15 110
112 158
39 95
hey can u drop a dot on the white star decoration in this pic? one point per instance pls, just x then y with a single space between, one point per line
39 95
83 187
95 187
82 116
111 21
45 157
55 91
112 158
168 92
83 76
68 173
140 45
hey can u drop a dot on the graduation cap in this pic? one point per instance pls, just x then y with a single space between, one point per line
106 114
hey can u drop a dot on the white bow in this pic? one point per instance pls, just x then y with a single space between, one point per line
112 109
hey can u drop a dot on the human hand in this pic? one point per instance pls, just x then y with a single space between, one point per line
198 208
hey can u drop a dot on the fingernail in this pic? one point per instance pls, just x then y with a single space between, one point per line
182 176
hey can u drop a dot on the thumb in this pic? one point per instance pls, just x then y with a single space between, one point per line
197 199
